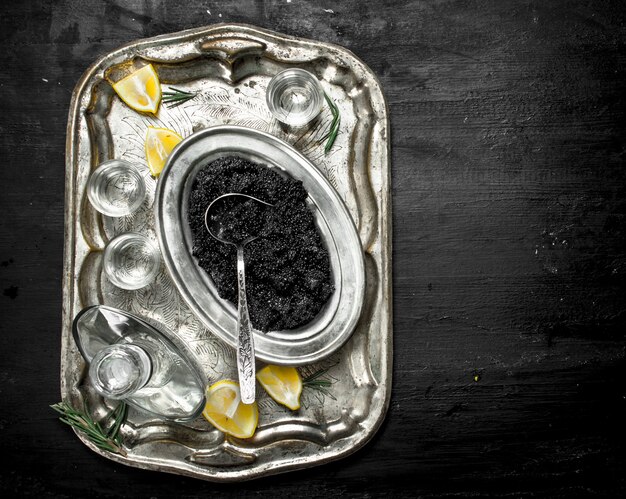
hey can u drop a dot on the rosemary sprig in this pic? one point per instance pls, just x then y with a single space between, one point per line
175 97
334 126
108 440
315 382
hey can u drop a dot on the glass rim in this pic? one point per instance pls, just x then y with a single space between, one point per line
99 172
274 87
110 270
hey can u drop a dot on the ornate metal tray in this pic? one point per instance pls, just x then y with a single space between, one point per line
228 67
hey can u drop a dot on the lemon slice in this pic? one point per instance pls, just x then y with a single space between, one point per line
141 90
227 413
283 384
159 145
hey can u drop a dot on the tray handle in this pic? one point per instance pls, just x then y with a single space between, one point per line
232 47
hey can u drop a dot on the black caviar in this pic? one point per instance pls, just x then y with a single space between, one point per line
288 274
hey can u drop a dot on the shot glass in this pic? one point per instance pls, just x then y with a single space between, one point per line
295 97
118 371
116 188
131 261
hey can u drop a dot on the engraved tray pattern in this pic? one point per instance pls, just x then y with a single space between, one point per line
229 67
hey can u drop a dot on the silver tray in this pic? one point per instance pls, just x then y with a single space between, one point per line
229 67
336 321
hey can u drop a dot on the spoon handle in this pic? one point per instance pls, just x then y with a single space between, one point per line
245 343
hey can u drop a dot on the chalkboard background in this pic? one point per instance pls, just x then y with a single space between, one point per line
509 256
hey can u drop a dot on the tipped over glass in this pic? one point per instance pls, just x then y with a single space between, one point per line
131 360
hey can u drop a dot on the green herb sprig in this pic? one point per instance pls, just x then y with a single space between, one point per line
334 126
108 440
175 97
316 382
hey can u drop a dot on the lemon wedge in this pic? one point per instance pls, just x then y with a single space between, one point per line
283 384
227 413
159 144
140 90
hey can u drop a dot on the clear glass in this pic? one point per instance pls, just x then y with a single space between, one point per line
295 97
129 359
116 188
118 371
131 261
162 359
172 389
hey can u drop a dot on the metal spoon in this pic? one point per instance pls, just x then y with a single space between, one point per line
245 343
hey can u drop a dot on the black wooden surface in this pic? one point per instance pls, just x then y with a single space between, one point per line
508 174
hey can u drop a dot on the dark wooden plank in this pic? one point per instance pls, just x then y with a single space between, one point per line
508 126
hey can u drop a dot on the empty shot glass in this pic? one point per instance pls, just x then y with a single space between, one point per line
295 97
116 188
131 261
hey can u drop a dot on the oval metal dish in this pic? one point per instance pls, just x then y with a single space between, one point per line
337 320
